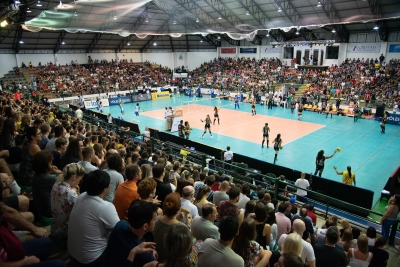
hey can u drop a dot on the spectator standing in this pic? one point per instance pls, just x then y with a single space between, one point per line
304 184
283 222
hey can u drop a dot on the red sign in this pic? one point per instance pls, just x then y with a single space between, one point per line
228 50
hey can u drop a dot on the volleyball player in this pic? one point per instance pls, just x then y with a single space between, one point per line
101 107
277 146
292 105
121 106
253 108
330 110
216 115
207 126
300 111
265 134
236 99
137 109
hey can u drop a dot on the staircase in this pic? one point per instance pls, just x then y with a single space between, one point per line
301 90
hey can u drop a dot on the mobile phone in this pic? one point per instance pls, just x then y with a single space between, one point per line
171 176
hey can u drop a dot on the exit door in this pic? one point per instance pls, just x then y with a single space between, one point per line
298 57
306 55
315 57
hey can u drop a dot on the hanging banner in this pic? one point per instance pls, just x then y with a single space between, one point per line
248 50
365 48
271 49
229 50
394 48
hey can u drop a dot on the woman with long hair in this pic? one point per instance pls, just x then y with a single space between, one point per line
216 115
146 171
360 256
171 210
277 146
43 181
245 245
29 148
348 177
207 125
290 260
320 162
390 217
263 229
73 154
271 220
178 247
98 156
187 129
347 240
63 196
201 198
249 209
8 133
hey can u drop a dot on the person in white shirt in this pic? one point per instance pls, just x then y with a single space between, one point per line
307 254
79 113
91 221
302 183
87 154
186 202
114 166
228 156
243 198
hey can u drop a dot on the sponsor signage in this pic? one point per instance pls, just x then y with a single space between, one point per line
392 119
270 49
229 50
127 99
365 48
394 48
93 104
248 50
160 95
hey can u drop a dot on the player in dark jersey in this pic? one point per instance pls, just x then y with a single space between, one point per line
207 126
265 134
383 123
277 146
300 111
330 110
320 162
216 115
292 105
253 108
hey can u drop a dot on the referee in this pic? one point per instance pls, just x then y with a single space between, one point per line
228 156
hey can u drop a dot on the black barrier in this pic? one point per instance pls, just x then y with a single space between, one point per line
347 193
359 196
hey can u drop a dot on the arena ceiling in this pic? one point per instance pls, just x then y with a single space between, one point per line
143 25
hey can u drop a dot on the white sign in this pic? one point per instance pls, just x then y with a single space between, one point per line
365 48
93 104
270 49
175 124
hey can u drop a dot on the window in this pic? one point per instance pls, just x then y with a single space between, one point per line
332 52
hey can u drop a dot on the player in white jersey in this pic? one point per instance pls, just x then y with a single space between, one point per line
137 109
121 106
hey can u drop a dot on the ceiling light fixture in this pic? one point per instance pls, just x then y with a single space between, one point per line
28 10
219 17
247 13
267 35
174 22
115 18
38 3
147 20
279 9
154 43
63 42
197 20
75 14
17 2
333 30
376 27
60 5
297 32
128 43
319 4
219 37
21 42
201 41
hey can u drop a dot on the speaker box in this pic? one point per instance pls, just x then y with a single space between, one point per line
380 111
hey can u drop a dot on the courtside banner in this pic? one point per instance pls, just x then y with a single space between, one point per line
141 97
160 95
394 48
229 50
116 100
392 119
93 104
